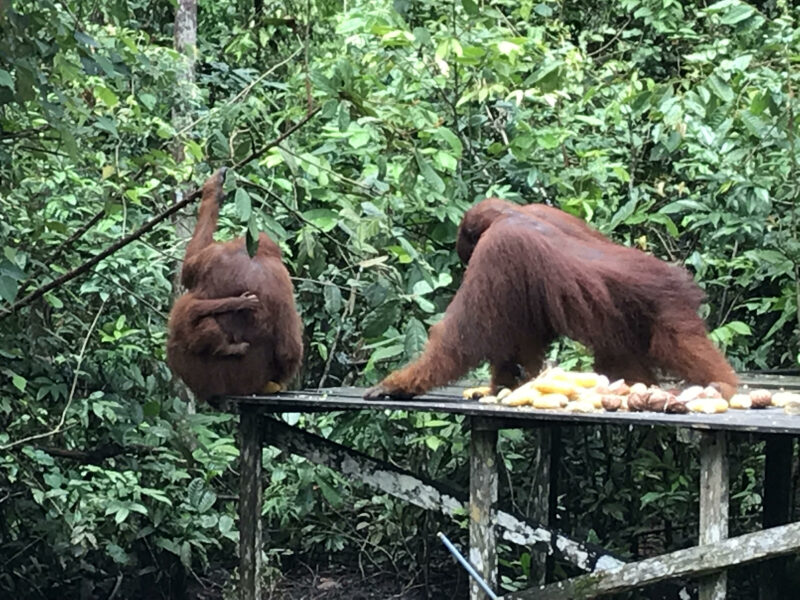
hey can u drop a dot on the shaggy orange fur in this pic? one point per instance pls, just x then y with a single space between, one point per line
236 328
535 273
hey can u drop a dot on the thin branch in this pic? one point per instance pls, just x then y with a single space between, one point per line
63 418
347 311
66 243
244 92
10 135
78 233
133 294
612 40
94 456
92 262
336 174
263 150
297 214
175 207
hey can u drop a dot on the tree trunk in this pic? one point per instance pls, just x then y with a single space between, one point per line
186 44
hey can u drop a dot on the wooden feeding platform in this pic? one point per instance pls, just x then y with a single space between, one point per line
605 573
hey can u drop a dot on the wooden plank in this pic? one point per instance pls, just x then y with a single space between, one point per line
691 562
250 492
428 494
769 380
482 506
777 508
713 506
771 420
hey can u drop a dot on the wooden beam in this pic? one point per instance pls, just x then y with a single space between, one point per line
250 493
428 494
777 508
482 506
691 562
713 505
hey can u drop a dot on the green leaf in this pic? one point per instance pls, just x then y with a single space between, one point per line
156 495
225 523
358 139
428 173
415 337
740 63
384 353
330 494
625 211
251 237
322 218
684 205
108 97
445 161
737 13
452 139
108 125
379 320
650 497
18 381
470 7
117 554
548 140
664 220
8 288
6 80
754 124
244 206
721 89
186 555
149 100
85 40
739 327
333 299
121 514
759 103
433 442
9 269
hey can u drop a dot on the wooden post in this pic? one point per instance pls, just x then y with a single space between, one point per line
482 505
713 505
777 507
541 473
250 492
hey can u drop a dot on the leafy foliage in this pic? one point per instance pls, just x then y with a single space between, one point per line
670 126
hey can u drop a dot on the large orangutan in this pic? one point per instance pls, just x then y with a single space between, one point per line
535 273
236 328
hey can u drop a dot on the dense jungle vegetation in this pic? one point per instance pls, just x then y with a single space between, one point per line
669 125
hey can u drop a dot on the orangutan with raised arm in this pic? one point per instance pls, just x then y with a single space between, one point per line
236 329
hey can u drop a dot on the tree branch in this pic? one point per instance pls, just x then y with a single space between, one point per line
175 207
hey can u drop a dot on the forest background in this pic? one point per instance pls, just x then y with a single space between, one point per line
668 125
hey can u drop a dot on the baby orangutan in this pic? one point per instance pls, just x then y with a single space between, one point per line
236 329
535 273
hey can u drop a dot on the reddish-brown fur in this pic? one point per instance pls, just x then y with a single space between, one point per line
236 328
535 273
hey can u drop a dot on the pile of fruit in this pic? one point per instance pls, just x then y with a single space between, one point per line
590 392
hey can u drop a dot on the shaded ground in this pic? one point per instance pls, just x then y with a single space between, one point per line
348 583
